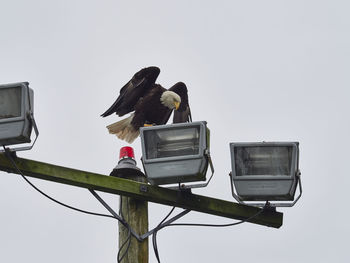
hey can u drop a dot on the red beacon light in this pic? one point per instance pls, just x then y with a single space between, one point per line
126 152
126 166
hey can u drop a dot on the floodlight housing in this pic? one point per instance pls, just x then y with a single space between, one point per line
176 153
16 115
265 171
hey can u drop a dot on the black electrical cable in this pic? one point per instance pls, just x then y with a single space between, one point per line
214 225
165 218
154 236
155 247
159 227
128 240
8 155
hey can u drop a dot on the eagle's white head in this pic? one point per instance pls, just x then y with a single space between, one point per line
170 99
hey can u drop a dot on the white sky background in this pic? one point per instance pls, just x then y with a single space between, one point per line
255 70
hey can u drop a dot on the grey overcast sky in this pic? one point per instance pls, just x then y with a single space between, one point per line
255 70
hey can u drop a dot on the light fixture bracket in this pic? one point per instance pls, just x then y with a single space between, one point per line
270 204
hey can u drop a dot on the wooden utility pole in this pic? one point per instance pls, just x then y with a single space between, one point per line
135 213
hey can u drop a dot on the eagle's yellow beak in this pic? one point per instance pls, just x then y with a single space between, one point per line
177 104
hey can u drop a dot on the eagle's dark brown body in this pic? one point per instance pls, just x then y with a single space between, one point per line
149 111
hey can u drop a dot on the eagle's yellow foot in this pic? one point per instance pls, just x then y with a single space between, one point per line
147 125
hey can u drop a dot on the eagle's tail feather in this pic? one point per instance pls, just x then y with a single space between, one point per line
124 130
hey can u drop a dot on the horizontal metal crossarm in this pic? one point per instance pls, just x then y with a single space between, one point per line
141 191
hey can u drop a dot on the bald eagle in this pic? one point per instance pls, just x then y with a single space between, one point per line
150 104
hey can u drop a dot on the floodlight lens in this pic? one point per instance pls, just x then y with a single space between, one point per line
255 160
10 102
171 143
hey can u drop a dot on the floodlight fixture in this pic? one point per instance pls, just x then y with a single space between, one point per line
16 116
265 172
176 154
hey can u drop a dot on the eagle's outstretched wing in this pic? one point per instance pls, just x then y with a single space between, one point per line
183 114
132 91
